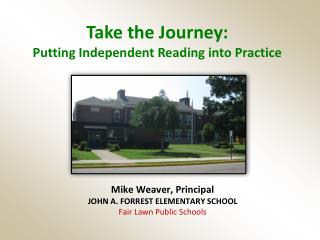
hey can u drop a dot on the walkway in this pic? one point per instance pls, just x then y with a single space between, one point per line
107 155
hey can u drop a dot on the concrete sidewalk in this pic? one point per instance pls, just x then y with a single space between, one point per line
107 155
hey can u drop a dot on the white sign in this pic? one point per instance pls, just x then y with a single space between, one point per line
230 133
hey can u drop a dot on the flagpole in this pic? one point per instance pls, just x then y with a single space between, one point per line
192 122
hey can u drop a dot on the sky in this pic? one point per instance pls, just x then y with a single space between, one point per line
175 87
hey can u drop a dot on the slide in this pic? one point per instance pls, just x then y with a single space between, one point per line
159 120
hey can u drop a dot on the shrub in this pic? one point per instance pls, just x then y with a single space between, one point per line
225 146
109 145
87 149
221 145
116 147
113 147
216 145
75 145
83 145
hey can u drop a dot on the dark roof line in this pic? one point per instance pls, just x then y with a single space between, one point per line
129 101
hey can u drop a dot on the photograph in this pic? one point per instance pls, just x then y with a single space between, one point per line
169 124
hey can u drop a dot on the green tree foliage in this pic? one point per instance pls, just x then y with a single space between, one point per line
227 104
208 132
157 113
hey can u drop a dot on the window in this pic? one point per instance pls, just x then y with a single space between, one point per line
168 134
181 117
184 134
94 109
188 119
178 133
116 116
189 133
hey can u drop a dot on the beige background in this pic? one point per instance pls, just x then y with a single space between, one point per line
279 197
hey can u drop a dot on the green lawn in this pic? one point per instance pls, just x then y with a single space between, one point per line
182 150
83 155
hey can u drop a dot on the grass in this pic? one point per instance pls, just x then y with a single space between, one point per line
83 155
151 164
182 151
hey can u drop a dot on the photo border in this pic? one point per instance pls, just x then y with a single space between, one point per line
154 75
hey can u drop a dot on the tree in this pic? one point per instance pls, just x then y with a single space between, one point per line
208 132
157 113
163 94
227 103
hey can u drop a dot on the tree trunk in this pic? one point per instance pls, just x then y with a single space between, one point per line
162 143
